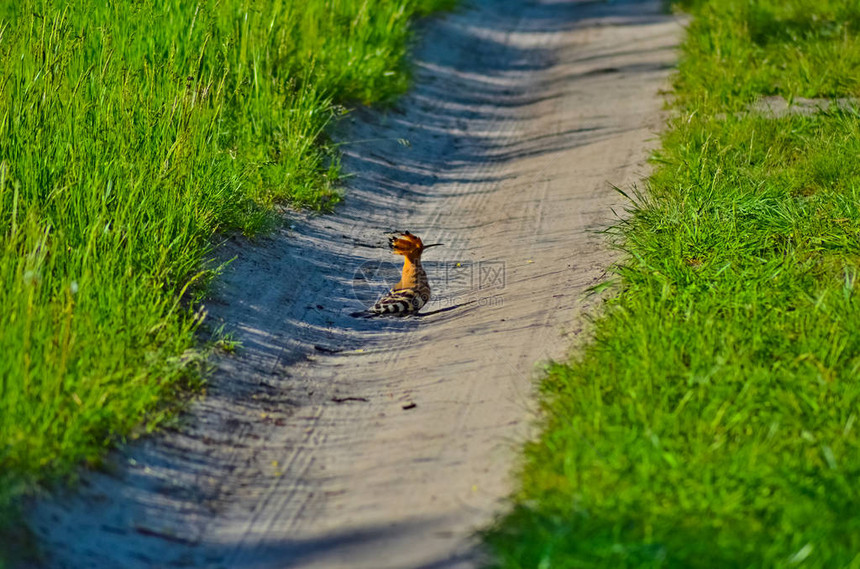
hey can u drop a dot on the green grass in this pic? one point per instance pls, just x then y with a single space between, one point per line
712 422
131 133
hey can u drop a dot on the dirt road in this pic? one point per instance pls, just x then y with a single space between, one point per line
329 441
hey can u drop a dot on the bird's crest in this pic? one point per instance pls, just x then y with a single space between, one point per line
404 243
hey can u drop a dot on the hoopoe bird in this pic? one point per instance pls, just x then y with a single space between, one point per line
413 290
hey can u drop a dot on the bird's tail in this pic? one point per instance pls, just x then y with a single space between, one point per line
364 314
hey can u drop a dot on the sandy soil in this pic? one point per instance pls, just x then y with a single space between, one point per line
329 441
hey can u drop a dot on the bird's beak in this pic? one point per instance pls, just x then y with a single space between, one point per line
433 245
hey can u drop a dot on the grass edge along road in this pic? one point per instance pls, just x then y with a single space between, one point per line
712 421
130 135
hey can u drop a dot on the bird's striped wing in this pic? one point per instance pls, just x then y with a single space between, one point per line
401 301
